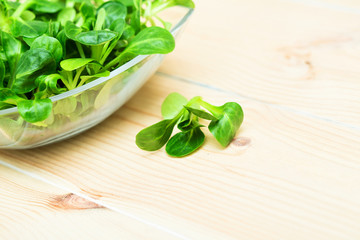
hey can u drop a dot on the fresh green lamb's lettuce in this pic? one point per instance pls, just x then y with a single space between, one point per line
48 47
225 122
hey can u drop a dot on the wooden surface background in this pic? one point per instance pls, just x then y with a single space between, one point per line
292 172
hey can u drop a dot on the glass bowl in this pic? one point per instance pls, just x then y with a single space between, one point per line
82 108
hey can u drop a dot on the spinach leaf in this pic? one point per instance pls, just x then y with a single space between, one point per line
9 97
172 105
28 41
92 38
51 44
185 143
87 10
96 37
136 16
35 110
50 84
128 32
151 40
127 3
230 117
43 6
71 30
12 50
32 64
75 63
114 10
156 136
118 26
28 16
62 38
66 14
29 29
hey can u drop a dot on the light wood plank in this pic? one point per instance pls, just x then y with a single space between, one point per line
352 6
32 209
286 176
281 52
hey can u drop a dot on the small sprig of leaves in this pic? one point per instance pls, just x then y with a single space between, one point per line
177 111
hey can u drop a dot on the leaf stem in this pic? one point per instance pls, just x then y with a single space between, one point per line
82 55
106 46
11 81
166 26
152 22
100 19
82 82
158 8
80 49
22 8
108 51
70 79
213 109
77 76
66 83
114 61
177 117
96 52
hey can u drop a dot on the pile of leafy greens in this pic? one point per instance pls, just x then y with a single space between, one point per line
48 47
225 121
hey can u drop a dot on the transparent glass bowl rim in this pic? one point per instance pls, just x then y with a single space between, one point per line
113 73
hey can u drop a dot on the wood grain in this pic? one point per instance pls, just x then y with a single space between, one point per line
292 172
303 56
352 6
32 209
285 175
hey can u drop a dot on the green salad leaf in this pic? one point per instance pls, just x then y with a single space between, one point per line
51 44
35 110
230 117
156 136
75 63
172 105
48 47
32 64
184 143
225 122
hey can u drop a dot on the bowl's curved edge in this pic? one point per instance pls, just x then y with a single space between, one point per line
113 73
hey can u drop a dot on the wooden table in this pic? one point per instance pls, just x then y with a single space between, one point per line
293 171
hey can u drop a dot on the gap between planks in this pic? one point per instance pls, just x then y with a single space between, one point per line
289 109
331 6
100 203
274 105
106 205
